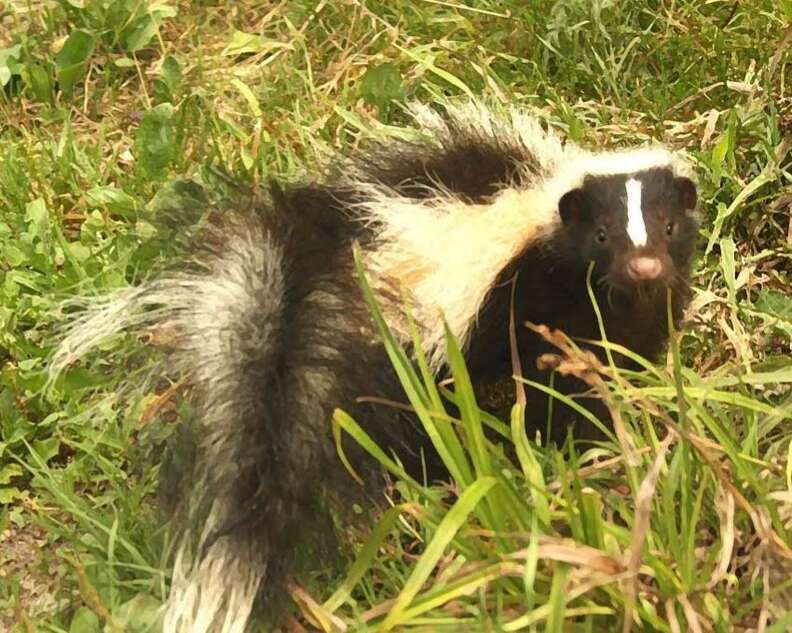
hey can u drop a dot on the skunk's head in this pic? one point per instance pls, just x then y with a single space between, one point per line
637 228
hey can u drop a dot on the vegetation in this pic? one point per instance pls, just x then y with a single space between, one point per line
113 112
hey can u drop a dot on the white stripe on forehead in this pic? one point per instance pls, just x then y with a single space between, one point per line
636 228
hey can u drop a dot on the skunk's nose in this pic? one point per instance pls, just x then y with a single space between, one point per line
644 268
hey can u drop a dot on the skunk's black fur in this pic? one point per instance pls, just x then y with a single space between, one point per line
292 339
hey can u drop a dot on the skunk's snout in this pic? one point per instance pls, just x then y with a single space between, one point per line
644 268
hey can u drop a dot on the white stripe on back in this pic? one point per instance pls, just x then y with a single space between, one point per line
636 228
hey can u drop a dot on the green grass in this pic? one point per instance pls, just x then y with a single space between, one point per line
113 113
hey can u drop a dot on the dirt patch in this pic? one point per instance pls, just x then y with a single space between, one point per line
28 569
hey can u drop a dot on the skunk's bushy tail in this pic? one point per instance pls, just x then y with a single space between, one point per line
224 314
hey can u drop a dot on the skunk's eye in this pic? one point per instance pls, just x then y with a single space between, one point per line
670 229
602 236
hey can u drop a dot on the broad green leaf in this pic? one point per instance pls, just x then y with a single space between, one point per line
72 60
78 251
8 472
13 255
138 615
9 63
141 31
155 141
381 85
39 80
171 73
242 43
47 449
85 621
776 304
177 196
9 495
38 218
117 201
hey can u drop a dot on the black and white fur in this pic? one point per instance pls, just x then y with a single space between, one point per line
273 333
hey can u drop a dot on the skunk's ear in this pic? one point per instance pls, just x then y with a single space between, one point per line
572 205
686 192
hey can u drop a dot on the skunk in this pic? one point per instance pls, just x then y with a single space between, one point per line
479 215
